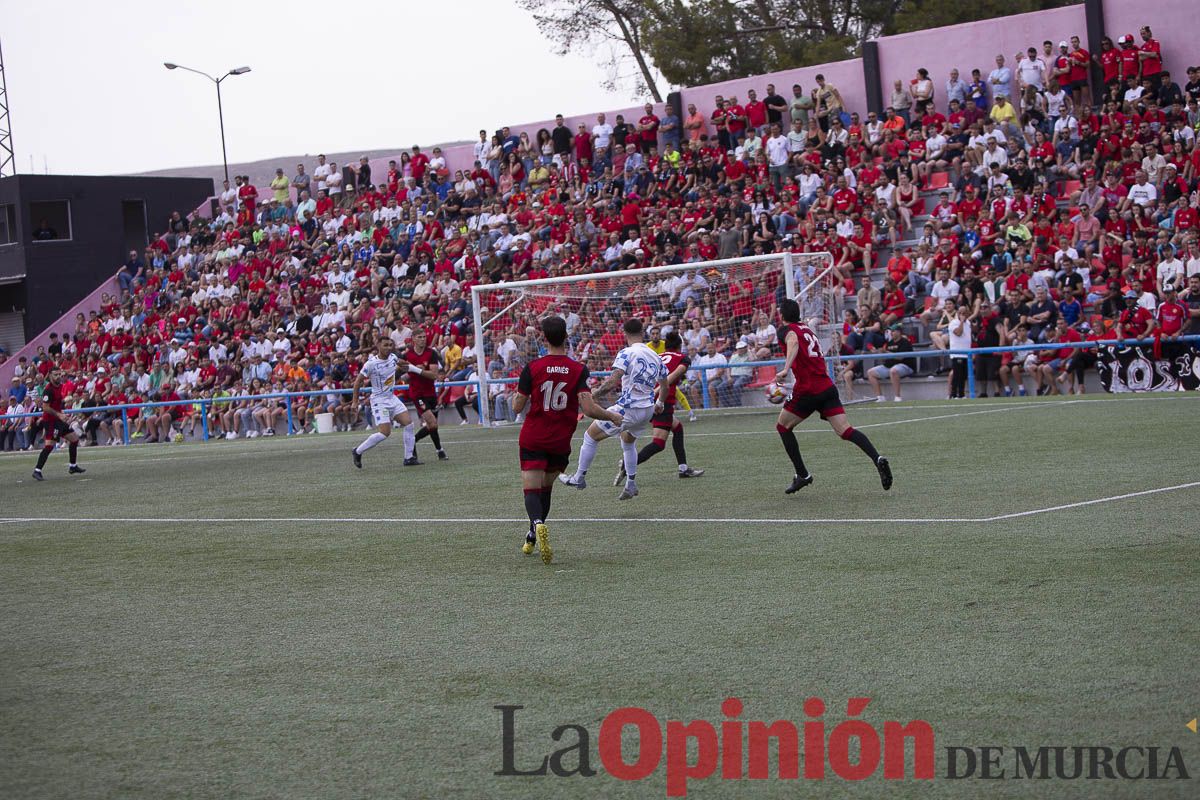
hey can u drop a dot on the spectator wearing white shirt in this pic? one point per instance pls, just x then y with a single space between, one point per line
1153 163
1031 71
333 181
696 337
1142 193
715 378
177 355
601 134
941 290
778 155
229 198
321 172
1171 271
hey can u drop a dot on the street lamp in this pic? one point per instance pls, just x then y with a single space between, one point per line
220 111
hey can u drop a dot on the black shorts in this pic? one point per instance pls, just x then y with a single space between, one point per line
1076 86
665 419
544 461
424 404
55 430
828 404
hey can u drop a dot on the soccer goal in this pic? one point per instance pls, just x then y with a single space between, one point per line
722 298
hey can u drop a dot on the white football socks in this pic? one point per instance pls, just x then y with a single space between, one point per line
587 452
410 441
630 454
371 441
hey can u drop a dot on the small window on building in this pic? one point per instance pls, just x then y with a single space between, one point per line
8 224
51 220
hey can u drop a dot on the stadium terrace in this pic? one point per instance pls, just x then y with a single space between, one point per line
1004 203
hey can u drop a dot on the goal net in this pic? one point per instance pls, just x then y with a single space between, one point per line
710 301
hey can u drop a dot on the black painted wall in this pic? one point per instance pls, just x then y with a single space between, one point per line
58 274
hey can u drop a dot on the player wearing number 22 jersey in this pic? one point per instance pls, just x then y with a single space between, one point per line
813 391
553 389
638 370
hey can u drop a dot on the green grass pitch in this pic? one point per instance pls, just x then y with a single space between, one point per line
182 641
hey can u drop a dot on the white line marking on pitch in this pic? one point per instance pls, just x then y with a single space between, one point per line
1113 499
688 520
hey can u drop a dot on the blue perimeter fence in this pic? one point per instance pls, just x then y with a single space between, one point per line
879 355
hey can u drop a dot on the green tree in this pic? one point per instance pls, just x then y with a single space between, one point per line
694 42
918 15
614 26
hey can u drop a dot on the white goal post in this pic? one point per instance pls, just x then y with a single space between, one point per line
725 295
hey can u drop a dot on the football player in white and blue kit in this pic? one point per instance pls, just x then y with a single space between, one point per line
380 372
639 370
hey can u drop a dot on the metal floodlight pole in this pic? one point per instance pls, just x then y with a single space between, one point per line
220 109
8 159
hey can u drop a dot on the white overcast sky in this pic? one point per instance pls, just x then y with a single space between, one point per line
88 92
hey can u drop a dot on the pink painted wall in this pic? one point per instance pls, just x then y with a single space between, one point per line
973 45
64 324
1175 23
847 76
967 46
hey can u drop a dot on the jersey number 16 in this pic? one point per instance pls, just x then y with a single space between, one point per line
554 396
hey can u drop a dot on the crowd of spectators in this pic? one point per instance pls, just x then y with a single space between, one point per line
1024 204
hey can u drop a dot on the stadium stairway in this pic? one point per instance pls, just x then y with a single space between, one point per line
66 323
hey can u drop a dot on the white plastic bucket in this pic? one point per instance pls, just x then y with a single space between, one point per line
324 423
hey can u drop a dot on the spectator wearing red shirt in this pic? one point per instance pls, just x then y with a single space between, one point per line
735 121
1150 54
1081 92
1131 62
1171 315
756 111
647 128
1136 321
418 163
1110 63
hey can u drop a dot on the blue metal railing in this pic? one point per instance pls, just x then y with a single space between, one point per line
205 402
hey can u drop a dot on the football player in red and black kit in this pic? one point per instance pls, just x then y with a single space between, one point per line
813 391
424 367
54 423
555 387
664 422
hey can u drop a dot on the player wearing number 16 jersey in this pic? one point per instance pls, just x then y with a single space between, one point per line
555 389
813 391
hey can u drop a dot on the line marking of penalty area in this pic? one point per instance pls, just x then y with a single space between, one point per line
609 520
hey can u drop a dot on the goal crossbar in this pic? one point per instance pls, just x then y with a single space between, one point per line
522 289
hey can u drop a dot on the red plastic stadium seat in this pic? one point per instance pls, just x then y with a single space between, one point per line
762 376
939 180
1070 187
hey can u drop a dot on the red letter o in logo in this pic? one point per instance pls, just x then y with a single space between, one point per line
650 743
